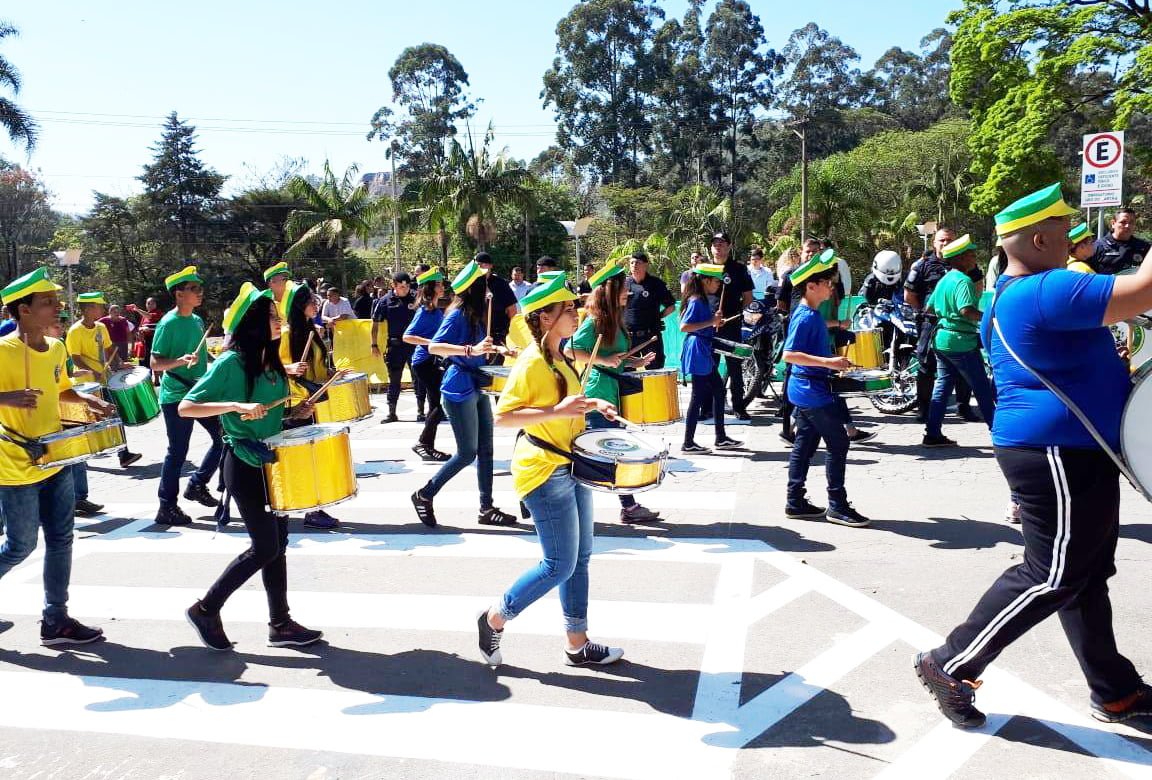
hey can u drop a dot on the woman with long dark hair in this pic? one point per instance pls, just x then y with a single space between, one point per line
697 358
461 340
240 388
419 333
605 321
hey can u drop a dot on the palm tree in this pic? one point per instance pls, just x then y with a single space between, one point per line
947 186
333 212
17 122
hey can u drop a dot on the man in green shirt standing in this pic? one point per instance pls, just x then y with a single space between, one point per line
957 342
179 351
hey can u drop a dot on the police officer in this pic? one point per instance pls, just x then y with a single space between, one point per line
504 303
736 293
397 308
649 302
1120 249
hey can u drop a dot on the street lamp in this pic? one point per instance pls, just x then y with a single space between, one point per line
576 229
926 230
393 147
69 258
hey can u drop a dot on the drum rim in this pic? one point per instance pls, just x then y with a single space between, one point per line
1137 379
352 378
355 492
76 430
577 449
652 372
144 372
496 370
329 429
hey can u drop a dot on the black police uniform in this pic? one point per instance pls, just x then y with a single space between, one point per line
398 312
1111 256
646 302
737 281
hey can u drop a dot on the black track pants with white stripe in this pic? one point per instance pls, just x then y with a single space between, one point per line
1069 514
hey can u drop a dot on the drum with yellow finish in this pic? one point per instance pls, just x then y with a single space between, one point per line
611 460
499 376
313 468
81 443
77 412
867 352
347 401
658 403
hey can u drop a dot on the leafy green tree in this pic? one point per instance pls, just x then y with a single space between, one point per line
428 86
17 122
908 86
27 220
256 226
513 245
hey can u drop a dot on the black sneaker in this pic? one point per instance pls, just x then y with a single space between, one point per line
727 444
803 510
1138 705
68 631
489 640
88 508
292 634
391 418
208 628
171 514
846 516
493 516
692 448
430 454
638 514
421 417
937 441
424 509
955 698
787 438
742 415
862 436
592 654
128 458
198 492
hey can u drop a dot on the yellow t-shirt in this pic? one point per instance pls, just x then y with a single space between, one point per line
317 370
1078 265
48 371
93 344
533 384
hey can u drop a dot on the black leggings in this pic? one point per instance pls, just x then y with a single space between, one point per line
269 541
430 376
706 389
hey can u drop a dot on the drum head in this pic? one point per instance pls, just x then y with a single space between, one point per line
305 434
356 376
652 372
1136 429
128 378
615 444
496 370
91 388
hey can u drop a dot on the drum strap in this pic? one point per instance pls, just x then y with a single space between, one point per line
536 441
1056 391
628 385
34 449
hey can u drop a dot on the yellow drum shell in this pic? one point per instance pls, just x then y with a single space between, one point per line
633 477
347 401
499 376
658 403
78 412
313 468
617 461
75 445
867 352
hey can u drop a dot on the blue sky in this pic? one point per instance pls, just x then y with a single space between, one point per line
268 80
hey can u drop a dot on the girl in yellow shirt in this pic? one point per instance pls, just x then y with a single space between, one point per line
543 397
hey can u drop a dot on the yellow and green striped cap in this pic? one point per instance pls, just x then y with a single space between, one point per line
186 274
1079 233
468 274
278 268
957 247
553 290
609 270
34 282
91 297
709 269
431 275
825 261
1037 207
244 299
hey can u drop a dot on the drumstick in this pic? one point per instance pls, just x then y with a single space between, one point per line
628 424
202 341
733 317
27 368
323 387
637 348
591 361
308 346
489 296
723 289
268 407
111 358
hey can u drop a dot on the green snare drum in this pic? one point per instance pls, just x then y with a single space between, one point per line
731 348
134 396
862 382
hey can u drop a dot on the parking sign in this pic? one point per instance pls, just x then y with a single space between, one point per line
1102 177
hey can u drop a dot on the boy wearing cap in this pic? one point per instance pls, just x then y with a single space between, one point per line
179 352
1080 249
33 379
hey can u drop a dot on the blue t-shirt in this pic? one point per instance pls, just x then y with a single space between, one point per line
1052 321
809 386
7 326
696 353
425 325
459 384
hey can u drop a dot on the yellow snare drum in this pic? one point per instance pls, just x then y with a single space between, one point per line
499 376
76 445
347 400
313 468
867 352
658 403
72 413
616 461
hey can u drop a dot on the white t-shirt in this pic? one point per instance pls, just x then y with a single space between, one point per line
334 310
763 279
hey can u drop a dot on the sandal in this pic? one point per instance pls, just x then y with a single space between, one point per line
424 509
493 516
430 454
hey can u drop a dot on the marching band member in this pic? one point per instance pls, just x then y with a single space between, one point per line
419 334
277 278
33 379
700 323
1080 249
543 397
240 389
605 306
461 339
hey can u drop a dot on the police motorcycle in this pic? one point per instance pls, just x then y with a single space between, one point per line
886 334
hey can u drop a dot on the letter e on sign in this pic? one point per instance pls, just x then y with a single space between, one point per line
1102 151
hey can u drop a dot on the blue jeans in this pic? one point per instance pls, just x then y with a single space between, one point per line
26 509
812 425
598 421
179 435
80 480
562 511
950 366
472 426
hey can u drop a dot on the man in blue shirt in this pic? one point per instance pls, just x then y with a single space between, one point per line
1121 249
819 414
1052 321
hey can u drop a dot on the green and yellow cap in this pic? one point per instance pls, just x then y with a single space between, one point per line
553 290
431 275
468 274
91 297
957 247
709 269
28 284
1080 233
186 274
825 261
609 270
275 270
1037 207
293 292
248 295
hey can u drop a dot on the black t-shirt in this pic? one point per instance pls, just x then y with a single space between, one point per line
1112 256
924 275
737 281
397 311
362 306
585 288
502 298
646 301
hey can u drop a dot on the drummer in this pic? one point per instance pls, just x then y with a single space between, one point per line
33 379
179 352
543 398
84 506
88 341
419 333
698 359
240 389
606 302
277 278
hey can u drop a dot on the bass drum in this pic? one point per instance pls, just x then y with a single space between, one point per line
1137 338
1136 429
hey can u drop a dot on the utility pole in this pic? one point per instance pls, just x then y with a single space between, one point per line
802 134
396 262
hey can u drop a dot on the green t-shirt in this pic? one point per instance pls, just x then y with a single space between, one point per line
954 293
600 385
225 382
175 337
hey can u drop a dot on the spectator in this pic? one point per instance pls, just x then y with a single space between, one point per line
504 302
544 265
762 276
520 286
336 308
7 324
119 331
695 260
362 301
585 287
149 319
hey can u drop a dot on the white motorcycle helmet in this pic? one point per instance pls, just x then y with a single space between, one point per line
887 266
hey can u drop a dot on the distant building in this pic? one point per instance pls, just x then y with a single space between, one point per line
379 183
